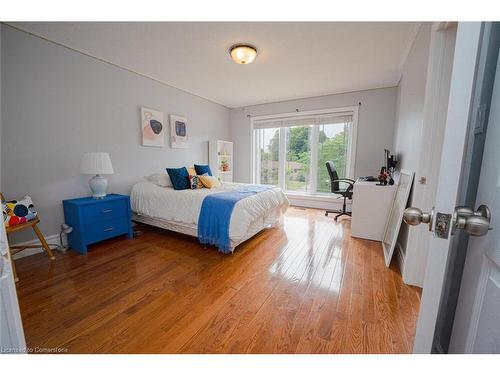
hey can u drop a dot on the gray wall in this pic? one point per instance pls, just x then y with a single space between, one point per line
411 95
410 112
375 126
58 104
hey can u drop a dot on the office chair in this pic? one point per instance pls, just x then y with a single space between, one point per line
335 187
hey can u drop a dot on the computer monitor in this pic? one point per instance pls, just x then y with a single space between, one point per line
390 161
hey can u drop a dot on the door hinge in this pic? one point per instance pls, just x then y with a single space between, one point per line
480 119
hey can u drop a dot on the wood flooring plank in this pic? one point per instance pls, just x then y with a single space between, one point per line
303 287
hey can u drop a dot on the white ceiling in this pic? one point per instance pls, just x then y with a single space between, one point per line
295 60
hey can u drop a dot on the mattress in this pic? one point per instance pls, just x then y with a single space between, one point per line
183 206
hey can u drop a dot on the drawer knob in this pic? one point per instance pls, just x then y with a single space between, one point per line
107 211
109 229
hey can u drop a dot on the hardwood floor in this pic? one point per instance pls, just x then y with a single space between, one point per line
306 287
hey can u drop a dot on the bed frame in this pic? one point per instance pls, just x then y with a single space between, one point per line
271 220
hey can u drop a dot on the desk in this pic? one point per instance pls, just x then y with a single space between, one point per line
371 206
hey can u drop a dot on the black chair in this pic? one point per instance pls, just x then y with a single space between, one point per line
335 182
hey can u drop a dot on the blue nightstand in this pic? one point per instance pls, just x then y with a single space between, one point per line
94 220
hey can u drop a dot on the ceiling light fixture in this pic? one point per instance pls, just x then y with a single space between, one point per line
243 53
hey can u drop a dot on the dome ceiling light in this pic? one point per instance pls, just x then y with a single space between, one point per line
243 53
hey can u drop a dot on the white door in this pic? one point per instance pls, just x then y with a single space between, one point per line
11 327
456 181
476 327
437 93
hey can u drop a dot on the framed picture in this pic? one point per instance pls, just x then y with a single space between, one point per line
396 216
153 129
178 132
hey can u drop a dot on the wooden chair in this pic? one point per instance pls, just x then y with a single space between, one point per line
17 248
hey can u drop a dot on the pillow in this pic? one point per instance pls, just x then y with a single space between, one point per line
202 169
192 171
18 212
179 178
160 179
209 181
194 182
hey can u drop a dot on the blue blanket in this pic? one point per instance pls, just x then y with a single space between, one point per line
215 215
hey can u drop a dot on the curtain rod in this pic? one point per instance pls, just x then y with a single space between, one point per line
296 110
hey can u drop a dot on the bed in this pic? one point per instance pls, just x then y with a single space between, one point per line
179 210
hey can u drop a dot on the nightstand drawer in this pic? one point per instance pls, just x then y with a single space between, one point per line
104 211
102 230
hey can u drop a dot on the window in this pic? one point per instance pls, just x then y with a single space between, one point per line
298 158
268 142
291 151
333 144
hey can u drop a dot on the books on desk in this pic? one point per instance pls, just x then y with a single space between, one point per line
368 178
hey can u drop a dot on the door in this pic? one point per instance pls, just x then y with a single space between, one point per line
476 327
437 93
452 226
11 327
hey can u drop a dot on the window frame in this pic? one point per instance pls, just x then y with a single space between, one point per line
313 143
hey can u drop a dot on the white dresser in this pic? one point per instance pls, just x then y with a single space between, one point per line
371 205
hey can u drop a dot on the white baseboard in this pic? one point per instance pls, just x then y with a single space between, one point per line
51 240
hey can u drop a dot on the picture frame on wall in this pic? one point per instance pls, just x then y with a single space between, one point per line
153 128
178 132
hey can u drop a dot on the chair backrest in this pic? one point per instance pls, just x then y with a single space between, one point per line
332 172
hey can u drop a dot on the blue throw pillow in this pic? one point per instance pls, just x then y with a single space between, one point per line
202 169
179 178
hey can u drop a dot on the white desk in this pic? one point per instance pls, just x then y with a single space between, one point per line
371 205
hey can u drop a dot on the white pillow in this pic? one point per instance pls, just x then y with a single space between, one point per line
160 179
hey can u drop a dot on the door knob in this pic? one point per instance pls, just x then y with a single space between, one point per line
415 216
475 223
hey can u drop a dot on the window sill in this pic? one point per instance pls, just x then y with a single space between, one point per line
304 195
330 201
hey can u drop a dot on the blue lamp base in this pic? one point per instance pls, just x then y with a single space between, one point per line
98 186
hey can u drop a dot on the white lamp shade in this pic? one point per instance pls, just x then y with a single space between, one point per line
96 163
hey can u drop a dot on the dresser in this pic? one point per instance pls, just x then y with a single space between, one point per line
371 205
95 220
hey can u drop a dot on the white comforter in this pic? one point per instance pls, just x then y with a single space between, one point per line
184 205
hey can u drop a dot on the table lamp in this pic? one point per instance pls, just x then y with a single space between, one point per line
97 163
